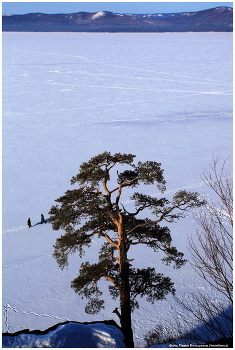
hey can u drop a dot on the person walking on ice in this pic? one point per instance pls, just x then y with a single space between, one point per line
42 219
29 222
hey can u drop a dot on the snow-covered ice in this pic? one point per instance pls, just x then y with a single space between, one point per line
70 96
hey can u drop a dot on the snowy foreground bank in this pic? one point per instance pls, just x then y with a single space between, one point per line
94 335
108 334
69 335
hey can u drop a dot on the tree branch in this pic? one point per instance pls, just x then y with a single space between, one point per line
162 217
109 239
111 280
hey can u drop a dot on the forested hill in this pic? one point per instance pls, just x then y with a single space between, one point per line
219 19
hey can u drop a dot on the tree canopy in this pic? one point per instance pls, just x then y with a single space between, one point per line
95 208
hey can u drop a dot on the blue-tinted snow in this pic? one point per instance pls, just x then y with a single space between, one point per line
70 335
70 96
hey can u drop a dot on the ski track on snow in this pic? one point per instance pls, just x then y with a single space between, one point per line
71 75
139 89
9 231
20 228
39 258
70 88
96 106
215 82
108 105
156 90
8 307
111 65
160 119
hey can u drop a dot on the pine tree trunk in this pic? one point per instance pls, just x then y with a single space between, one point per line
125 293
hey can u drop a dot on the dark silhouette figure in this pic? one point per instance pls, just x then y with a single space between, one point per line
115 311
29 222
42 219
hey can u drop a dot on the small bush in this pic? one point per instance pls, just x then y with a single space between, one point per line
158 336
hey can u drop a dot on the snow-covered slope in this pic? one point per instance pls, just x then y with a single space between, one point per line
68 97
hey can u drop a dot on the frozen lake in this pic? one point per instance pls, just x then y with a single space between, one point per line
70 96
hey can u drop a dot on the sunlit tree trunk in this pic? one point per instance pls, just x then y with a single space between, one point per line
125 299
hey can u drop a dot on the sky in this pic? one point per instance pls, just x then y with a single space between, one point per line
116 7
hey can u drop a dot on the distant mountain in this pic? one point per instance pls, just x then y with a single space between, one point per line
219 19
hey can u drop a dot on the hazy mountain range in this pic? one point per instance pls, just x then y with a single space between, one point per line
219 19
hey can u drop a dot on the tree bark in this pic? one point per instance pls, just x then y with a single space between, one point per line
125 299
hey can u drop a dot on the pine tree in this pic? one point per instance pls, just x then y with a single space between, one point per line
95 209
